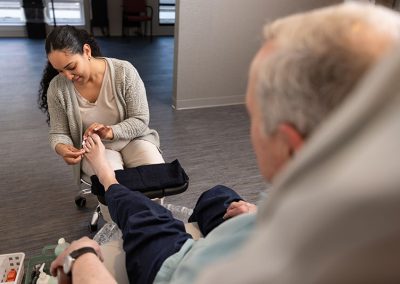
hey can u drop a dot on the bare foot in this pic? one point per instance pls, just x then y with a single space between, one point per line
95 154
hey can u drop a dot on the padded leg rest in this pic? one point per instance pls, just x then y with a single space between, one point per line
154 181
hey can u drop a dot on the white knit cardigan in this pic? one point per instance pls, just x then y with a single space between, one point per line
130 93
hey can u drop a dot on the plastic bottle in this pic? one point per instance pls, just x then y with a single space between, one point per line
107 233
181 213
43 278
52 280
61 246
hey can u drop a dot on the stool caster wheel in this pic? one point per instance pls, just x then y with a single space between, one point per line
92 228
80 201
95 220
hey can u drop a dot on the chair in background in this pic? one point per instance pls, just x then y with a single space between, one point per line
99 16
134 13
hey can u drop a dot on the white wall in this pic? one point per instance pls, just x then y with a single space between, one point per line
215 42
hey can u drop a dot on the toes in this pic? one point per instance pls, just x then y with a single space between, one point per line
96 138
89 142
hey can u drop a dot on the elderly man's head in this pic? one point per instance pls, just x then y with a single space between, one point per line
307 66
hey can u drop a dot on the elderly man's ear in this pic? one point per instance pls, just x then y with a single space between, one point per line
291 137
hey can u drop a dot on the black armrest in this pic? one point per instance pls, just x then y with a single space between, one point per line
154 181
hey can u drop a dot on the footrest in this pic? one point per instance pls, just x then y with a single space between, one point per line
154 181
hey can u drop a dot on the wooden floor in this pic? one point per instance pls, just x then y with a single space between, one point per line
36 186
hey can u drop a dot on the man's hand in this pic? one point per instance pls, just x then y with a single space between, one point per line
69 153
83 242
239 207
105 132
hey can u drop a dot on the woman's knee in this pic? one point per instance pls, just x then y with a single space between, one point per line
141 152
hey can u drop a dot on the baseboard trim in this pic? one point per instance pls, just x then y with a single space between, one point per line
208 102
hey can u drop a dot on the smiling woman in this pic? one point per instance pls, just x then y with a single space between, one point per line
83 93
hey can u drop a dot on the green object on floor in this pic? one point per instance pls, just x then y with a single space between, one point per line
34 263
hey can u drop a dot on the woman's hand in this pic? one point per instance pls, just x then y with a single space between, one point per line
69 153
239 207
82 242
105 132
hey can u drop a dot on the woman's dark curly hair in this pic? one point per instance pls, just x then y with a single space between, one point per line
66 38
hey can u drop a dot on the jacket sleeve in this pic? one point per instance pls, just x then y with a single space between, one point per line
59 126
135 104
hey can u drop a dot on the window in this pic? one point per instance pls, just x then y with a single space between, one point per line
11 13
67 12
166 12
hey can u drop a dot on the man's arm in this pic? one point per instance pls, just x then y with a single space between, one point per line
88 268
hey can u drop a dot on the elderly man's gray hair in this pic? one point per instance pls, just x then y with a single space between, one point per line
318 58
